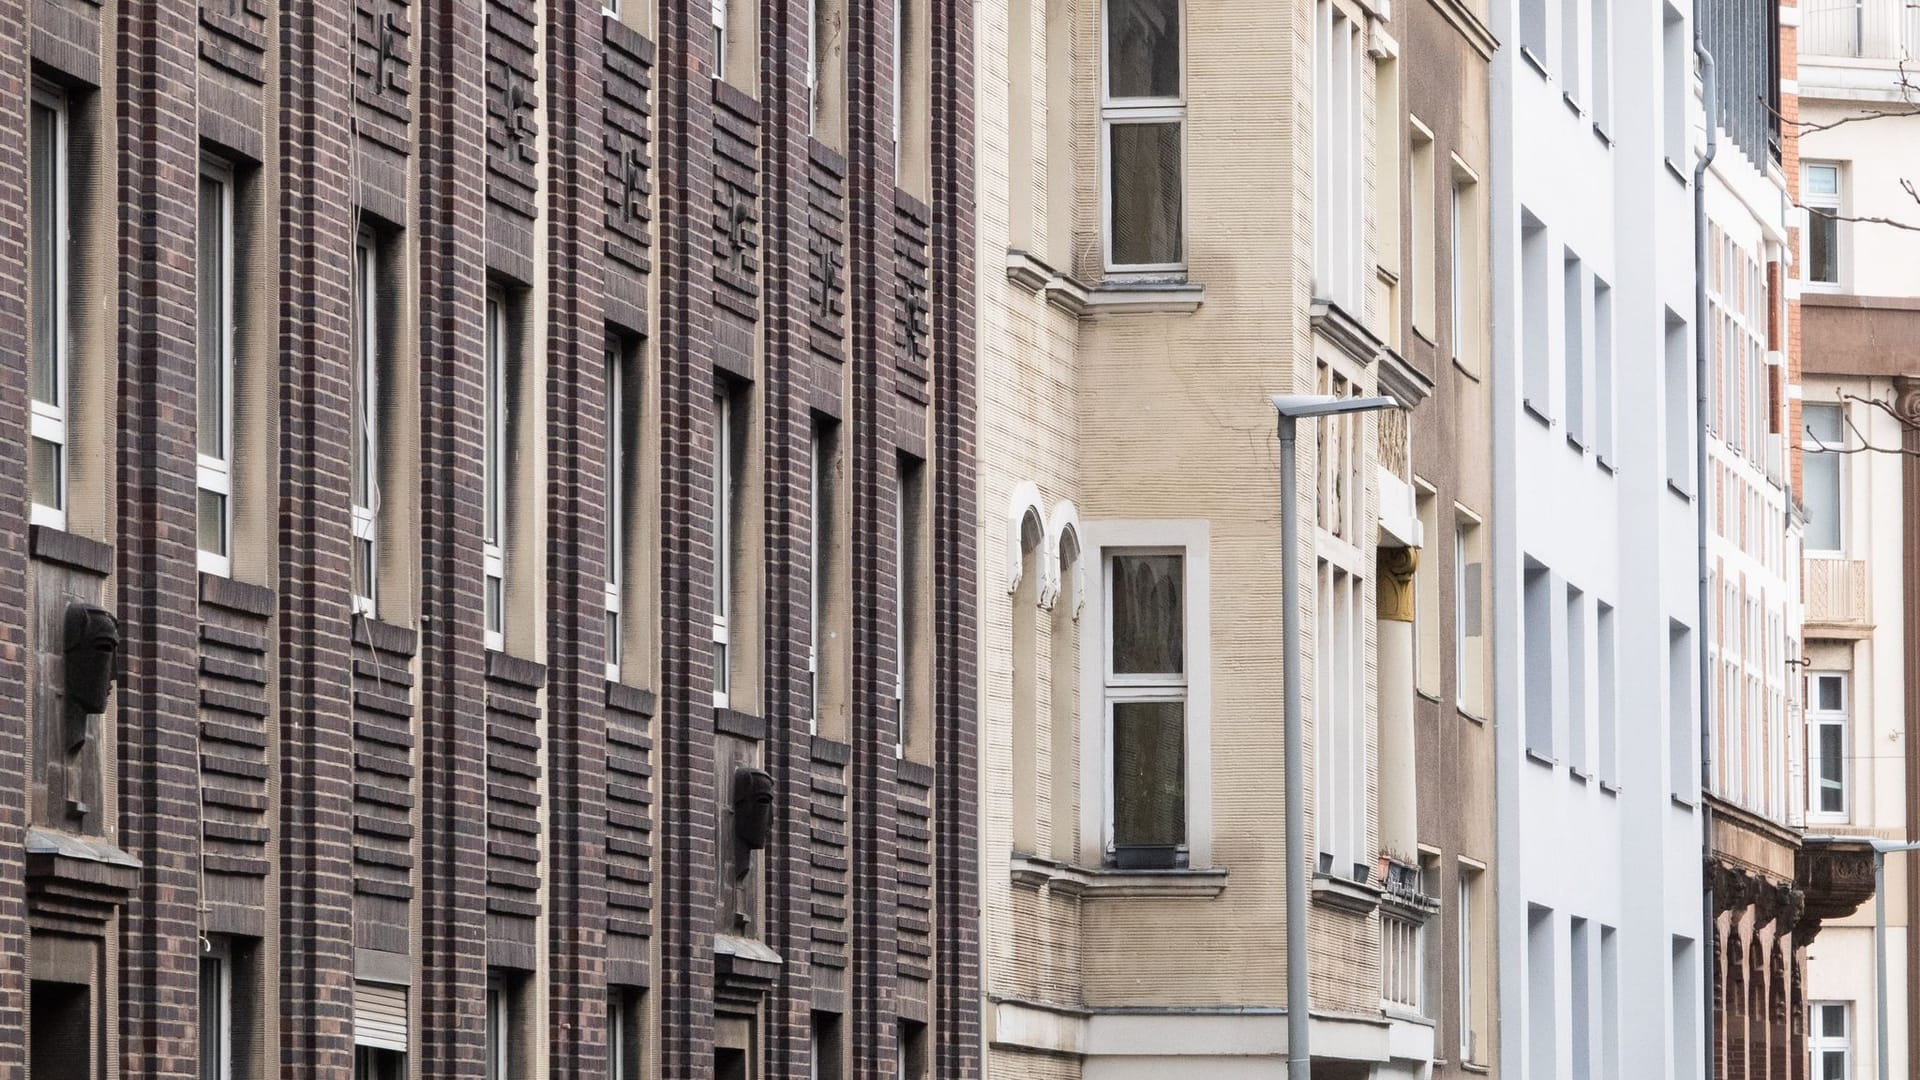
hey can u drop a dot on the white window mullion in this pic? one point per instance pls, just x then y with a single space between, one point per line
615 507
215 462
366 426
495 463
723 499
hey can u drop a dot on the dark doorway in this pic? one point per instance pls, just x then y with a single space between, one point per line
58 1042
729 1064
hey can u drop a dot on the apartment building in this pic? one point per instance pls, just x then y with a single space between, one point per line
469 521
1595 544
1857 310
1158 255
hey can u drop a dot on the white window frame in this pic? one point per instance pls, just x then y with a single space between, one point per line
903 588
1340 219
215 475
1818 718
1835 203
1456 281
499 1030
1807 445
723 526
219 954
1339 678
1463 902
366 419
1191 540
717 12
616 500
1146 110
495 524
1819 1045
49 419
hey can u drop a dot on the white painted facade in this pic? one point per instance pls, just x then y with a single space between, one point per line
1599 833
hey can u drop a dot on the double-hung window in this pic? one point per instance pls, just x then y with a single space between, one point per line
1142 121
365 419
215 258
1830 1040
48 194
717 12
1146 704
1820 194
1827 744
615 502
496 464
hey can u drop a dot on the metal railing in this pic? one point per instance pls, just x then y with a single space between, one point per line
1862 29
1402 965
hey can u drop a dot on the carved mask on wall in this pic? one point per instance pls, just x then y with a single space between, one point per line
91 641
752 807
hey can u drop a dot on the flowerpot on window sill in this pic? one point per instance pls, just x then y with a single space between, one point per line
1146 857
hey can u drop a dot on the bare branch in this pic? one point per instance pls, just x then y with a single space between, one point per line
1866 446
1833 215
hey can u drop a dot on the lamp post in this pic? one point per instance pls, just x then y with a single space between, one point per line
1881 849
1293 408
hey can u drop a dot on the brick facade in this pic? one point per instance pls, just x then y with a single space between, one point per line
351 800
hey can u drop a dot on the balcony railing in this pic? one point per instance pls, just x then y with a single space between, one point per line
1862 29
1836 594
1402 963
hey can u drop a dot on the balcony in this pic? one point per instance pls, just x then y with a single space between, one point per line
1835 592
1886 30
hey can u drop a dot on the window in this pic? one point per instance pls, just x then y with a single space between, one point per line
1339 721
1609 1004
1820 194
1830 1040
1537 595
1680 715
717 14
215 263
615 501
49 193
1574 355
911 1044
374 1063
1339 173
1677 65
1426 595
1533 33
1463 254
912 95
1608 701
1570 51
365 419
1466 913
1577 682
1602 74
1580 974
1402 962
1686 1007
1542 1036
1468 639
1143 110
216 1012
501 1033
626 1025
825 569
1822 476
1536 386
1827 744
1422 266
725 511
1146 704
1680 418
1602 367
910 608
827 1056
496 464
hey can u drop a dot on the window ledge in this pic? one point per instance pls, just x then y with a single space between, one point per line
1678 173
1106 883
1534 62
1538 412
1344 332
1341 894
1538 758
1132 298
71 550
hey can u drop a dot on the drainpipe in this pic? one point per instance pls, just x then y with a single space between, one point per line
1700 376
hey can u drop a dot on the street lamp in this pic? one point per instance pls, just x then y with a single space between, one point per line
1294 408
1881 849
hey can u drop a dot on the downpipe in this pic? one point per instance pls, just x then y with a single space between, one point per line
1700 376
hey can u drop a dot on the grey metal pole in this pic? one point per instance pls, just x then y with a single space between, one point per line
1880 953
1299 1056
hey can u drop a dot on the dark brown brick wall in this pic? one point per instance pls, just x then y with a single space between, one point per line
343 788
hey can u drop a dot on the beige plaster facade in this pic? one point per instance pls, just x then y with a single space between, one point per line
1126 416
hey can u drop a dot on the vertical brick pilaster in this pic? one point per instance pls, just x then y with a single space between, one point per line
576 576
15 79
316 237
451 222
156 50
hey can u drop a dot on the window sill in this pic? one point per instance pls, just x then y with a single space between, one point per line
1476 1067
71 550
1131 298
1684 802
1577 444
1536 757
1342 894
1106 883
1465 371
1469 714
1427 696
1675 171
1608 787
1346 333
1536 412
1573 103
1601 134
1534 62
1675 487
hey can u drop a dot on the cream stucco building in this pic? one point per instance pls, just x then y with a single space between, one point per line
1179 216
